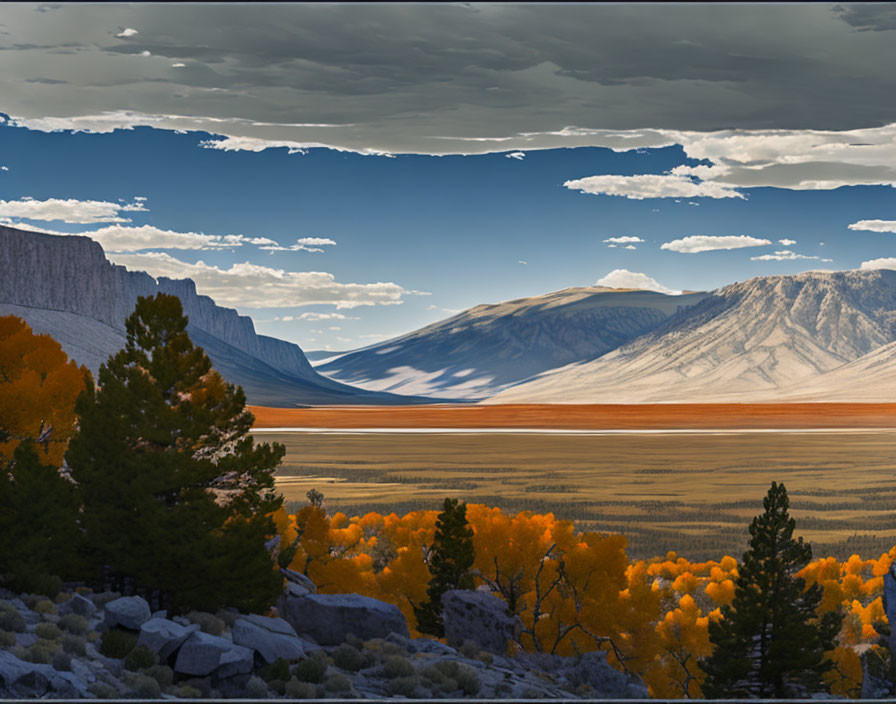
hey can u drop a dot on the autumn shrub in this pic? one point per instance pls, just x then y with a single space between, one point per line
404 686
338 682
397 666
295 689
117 643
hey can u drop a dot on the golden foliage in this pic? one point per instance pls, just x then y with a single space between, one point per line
38 389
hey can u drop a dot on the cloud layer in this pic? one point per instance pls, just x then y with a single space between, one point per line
709 243
623 278
81 212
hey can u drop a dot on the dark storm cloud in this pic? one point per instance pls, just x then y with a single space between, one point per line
400 78
877 17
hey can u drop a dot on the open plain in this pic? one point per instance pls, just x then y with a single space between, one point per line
690 483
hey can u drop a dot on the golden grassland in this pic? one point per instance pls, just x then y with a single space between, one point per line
695 494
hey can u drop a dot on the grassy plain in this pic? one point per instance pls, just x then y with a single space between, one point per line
693 493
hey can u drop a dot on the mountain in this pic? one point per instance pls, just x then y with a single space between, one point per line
490 347
65 286
760 339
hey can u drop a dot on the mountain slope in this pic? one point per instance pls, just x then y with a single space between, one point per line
489 347
65 286
747 341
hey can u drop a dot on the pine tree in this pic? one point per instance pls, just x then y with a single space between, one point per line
450 559
176 496
770 641
39 535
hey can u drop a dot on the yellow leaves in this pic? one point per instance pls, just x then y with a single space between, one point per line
38 389
722 593
845 679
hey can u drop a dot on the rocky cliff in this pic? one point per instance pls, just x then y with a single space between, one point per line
65 286
489 347
753 340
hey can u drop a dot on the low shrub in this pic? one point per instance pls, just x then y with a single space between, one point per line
73 623
101 690
140 658
162 674
397 666
313 668
47 631
186 691
277 670
144 687
257 688
467 680
41 653
44 606
117 643
100 600
74 645
279 686
469 649
11 619
338 683
7 639
62 597
354 641
404 686
228 616
348 657
208 623
300 690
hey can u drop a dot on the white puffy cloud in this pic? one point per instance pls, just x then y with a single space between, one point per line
709 243
623 278
319 316
519 156
79 212
644 186
303 244
145 53
522 261
127 32
787 243
785 255
258 144
120 238
874 225
630 246
883 263
253 286
4 168
624 239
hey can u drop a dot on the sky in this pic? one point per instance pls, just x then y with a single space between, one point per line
347 173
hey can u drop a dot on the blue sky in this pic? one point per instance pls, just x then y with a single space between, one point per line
347 173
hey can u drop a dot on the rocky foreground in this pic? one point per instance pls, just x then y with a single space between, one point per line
81 644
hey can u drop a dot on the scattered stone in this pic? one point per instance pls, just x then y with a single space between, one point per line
329 618
297 584
202 654
479 617
163 637
272 637
128 612
26 680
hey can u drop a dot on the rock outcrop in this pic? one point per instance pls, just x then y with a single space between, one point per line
330 618
65 286
480 617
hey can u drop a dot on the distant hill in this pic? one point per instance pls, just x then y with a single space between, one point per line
480 351
767 338
65 286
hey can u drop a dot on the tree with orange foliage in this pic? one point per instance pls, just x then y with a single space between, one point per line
38 389
39 535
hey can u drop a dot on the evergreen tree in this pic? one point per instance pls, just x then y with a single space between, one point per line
176 496
39 535
450 559
770 641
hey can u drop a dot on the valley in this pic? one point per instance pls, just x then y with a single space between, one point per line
678 486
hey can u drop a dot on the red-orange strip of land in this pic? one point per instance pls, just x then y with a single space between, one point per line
580 416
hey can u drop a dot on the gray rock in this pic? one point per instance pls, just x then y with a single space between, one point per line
272 637
329 618
889 599
203 654
25 680
163 637
606 681
128 612
78 605
421 645
480 617
297 583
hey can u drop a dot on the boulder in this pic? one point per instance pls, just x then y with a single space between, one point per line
889 599
480 617
605 680
203 654
25 680
298 584
272 637
78 605
329 618
163 637
127 611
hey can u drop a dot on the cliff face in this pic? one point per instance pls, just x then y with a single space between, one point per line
65 286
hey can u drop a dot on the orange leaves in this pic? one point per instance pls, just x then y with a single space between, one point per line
38 389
